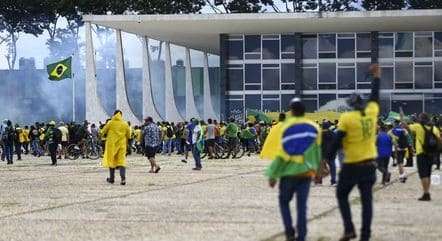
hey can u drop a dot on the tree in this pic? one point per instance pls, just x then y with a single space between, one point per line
425 4
21 16
383 4
165 7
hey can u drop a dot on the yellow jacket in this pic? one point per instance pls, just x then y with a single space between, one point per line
117 133
26 135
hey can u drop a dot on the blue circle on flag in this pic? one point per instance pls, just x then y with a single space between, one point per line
298 138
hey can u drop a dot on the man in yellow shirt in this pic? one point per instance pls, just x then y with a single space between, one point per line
357 136
427 143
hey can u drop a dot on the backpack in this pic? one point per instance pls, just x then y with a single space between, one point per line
402 140
169 132
56 135
431 143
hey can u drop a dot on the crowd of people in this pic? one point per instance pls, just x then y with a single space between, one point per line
301 150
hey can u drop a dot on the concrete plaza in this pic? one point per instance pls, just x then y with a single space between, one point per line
227 200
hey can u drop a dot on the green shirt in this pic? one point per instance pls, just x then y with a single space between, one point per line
232 130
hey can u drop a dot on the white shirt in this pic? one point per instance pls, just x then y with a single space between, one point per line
196 133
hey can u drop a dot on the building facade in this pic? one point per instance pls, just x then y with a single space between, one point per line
267 59
265 71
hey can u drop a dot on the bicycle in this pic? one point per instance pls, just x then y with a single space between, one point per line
91 149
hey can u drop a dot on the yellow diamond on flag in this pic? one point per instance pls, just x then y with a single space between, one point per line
59 71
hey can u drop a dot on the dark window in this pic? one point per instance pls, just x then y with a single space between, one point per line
309 78
423 47
404 72
409 106
253 43
438 71
325 98
253 102
288 43
327 86
363 41
309 47
407 54
285 101
270 105
253 73
346 78
288 87
363 75
270 79
327 72
433 106
327 55
235 77
438 40
235 49
423 77
235 110
404 41
387 78
346 48
327 42
310 105
385 48
287 73
403 85
270 49
252 87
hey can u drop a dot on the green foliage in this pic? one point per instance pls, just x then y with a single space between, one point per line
425 4
383 4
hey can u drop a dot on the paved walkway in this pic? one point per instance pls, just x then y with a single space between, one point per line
227 200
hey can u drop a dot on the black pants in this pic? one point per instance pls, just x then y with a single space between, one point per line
363 176
53 152
437 160
18 150
383 166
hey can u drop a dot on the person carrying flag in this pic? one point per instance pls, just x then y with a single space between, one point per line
357 135
298 154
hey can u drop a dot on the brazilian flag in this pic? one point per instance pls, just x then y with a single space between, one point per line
60 70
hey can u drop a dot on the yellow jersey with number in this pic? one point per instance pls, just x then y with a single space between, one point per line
359 143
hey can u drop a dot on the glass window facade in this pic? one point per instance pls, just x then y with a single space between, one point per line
331 65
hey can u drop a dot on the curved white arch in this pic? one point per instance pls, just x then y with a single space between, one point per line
149 108
172 113
209 112
191 110
121 85
94 110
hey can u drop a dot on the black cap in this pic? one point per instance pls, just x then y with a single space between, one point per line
297 107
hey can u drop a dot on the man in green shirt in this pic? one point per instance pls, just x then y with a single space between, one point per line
231 134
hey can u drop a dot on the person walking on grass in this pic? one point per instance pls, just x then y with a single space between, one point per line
152 140
117 134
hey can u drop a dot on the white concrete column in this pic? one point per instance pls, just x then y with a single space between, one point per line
149 108
172 113
94 110
191 110
208 107
122 98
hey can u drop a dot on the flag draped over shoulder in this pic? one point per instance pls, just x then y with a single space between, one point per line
60 70
273 140
296 148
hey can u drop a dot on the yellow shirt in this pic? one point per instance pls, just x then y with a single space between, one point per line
419 135
21 136
26 134
222 130
138 135
359 143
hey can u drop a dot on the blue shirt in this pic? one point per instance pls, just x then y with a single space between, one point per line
384 145
152 135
